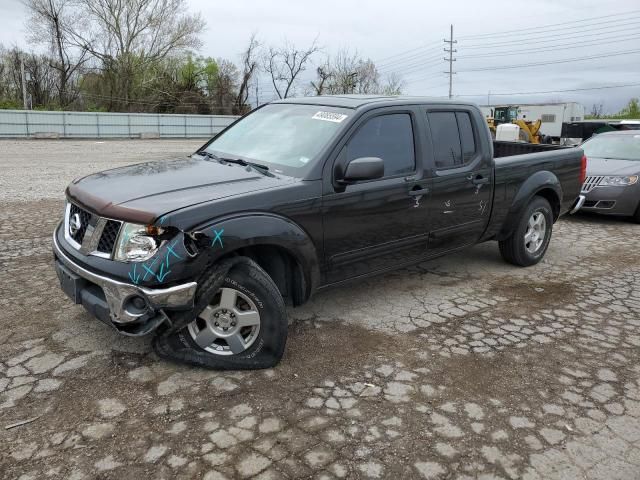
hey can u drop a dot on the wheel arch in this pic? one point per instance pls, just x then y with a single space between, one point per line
278 245
282 266
544 184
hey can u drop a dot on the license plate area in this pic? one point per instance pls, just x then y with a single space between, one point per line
70 283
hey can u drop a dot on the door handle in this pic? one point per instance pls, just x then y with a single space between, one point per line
419 191
478 179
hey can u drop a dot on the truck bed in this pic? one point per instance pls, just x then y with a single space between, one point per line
508 149
516 162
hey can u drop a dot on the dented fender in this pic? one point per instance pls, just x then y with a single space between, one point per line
228 235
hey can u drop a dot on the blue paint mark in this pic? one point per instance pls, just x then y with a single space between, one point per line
161 275
135 277
218 237
171 251
148 269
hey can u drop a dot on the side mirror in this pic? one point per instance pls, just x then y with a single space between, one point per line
365 168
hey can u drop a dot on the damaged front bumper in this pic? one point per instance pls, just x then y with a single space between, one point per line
132 310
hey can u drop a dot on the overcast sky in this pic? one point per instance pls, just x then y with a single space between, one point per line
406 37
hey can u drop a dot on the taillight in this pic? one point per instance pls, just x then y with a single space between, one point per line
583 169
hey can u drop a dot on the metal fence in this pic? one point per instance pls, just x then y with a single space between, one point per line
39 124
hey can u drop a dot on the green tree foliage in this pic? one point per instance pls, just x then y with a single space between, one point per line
140 56
631 111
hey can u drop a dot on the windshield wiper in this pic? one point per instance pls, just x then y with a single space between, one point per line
238 161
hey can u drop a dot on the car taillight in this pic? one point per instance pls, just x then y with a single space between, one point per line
583 169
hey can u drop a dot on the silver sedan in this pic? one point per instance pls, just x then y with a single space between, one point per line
612 186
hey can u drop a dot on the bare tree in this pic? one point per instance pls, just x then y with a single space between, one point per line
249 68
127 36
393 85
324 75
225 87
49 23
41 83
284 64
596 110
347 72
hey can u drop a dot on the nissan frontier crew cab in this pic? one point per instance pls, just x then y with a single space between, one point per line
299 195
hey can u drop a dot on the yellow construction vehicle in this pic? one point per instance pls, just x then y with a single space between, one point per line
529 131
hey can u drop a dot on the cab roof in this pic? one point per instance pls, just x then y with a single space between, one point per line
354 101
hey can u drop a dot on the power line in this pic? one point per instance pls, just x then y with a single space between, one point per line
598 20
631 26
425 77
417 66
413 67
384 59
552 62
604 87
417 59
604 41
410 57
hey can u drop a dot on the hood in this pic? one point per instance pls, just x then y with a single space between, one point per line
608 166
141 193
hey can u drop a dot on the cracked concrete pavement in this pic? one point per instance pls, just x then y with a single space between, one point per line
463 367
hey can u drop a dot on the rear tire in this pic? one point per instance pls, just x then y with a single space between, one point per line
530 240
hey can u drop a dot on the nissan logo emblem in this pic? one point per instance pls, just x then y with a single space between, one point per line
74 224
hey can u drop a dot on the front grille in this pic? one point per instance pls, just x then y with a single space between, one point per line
85 217
108 237
590 183
95 236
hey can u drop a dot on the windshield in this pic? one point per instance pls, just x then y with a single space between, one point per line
621 147
285 137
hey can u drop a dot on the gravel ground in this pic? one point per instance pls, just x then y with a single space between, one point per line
463 367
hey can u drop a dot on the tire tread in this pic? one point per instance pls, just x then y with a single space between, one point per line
512 248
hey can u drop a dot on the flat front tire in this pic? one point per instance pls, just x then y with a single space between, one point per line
243 325
530 240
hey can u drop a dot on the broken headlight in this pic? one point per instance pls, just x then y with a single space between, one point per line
136 243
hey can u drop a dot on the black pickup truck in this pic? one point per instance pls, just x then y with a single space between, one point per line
299 195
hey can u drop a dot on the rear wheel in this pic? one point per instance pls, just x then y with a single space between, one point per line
530 240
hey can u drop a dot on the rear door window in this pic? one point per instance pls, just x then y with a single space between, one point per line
467 138
454 140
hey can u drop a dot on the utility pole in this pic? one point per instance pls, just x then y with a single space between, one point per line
24 84
353 79
450 51
489 98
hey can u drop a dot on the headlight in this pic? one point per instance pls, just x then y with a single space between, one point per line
136 243
618 181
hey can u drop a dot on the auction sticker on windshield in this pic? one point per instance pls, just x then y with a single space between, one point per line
329 117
